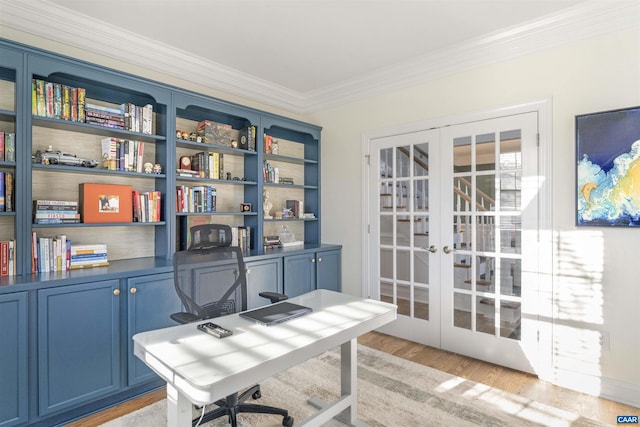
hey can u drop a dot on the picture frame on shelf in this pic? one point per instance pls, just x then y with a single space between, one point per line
105 203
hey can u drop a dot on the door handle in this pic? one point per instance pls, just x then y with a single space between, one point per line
447 250
432 249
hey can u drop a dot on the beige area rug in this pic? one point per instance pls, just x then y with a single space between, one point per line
391 392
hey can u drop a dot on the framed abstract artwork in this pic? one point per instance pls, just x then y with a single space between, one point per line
608 168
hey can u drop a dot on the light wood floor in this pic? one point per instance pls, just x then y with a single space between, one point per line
486 373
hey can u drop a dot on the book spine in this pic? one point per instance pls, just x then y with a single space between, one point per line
89 248
2 192
55 214
88 257
66 100
56 204
88 265
82 96
57 100
12 257
140 162
49 99
8 199
56 221
147 119
1 146
4 258
73 104
34 98
10 147
41 102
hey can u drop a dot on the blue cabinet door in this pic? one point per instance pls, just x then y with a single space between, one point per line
151 300
299 274
13 359
329 270
78 344
263 276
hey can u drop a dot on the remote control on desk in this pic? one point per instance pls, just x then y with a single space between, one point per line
215 330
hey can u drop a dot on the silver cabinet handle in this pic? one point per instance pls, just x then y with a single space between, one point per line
447 250
433 249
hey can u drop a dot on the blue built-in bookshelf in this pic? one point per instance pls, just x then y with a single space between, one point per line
62 326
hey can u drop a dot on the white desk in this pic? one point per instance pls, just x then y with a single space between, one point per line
201 369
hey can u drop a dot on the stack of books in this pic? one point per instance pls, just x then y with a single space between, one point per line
88 256
55 212
104 116
49 253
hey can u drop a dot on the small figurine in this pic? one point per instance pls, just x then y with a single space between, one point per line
193 137
234 144
228 176
157 169
179 134
185 135
148 167
266 205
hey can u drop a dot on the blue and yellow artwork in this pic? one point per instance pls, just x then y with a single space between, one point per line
608 170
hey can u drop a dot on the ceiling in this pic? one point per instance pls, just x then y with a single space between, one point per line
300 55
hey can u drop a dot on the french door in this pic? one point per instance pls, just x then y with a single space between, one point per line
453 236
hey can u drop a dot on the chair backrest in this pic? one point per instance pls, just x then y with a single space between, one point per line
210 276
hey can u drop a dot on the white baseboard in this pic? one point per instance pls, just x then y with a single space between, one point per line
608 388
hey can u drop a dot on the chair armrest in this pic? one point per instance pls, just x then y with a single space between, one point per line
184 317
273 296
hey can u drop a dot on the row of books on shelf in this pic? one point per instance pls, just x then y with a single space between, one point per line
60 101
6 191
8 258
51 254
7 146
201 198
123 155
270 173
205 165
147 206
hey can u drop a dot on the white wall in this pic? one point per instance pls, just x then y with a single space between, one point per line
596 287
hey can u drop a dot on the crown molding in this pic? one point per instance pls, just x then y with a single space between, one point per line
589 19
585 21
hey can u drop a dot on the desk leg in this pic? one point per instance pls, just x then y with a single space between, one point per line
348 388
178 408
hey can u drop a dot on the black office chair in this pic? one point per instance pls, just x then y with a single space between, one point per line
210 279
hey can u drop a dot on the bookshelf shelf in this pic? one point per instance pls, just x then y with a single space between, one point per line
288 159
92 129
213 147
7 114
104 224
95 171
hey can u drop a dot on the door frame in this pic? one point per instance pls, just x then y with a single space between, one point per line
543 108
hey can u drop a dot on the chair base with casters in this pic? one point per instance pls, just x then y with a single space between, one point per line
234 404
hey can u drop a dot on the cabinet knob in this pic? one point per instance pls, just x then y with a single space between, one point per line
313 260
133 290
319 259
248 271
116 292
